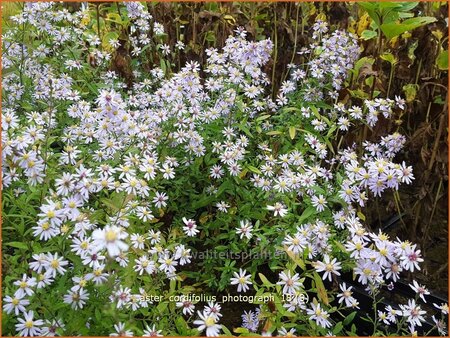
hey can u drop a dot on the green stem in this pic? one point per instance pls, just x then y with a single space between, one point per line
295 38
391 75
275 56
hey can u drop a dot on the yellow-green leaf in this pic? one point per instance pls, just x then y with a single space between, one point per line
297 260
292 132
442 60
321 291
264 280
361 215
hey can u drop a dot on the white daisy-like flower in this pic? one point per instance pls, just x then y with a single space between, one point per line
121 331
151 332
290 284
419 289
188 307
222 206
319 202
278 209
144 264
25 286
319 315
245 229
27 326
76 299
328 266
296 243
242 280
16 304
413 313
208 322
168 263
110 238
190 228
55 264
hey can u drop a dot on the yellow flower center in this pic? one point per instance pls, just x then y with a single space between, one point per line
15 301
383 237
110 236
29 324
210 321
54 264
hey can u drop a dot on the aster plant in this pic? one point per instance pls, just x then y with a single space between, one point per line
111 192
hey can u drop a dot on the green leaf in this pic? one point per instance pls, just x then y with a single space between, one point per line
349 318
262 117
367 60
410 92
308 212
292 132
181 325
407 6
411 50
389 58
368 34
361 215
18 245
227 185
394 29
109 203
163 66
274 132
210 36
320 117
297 260
265 281
226 331
254 169
338 328
98 314
204 201
114 17
442 60
340 246
321 291
245 130
162 307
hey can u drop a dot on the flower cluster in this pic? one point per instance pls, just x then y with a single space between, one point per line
121 188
